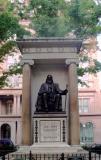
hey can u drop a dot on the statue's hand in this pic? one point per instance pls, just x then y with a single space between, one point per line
65 91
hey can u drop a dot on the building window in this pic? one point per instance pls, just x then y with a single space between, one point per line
5 131
86 133
7 107
83 105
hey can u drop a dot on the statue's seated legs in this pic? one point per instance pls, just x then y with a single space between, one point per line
45 98
38 104
48 102
52 103
58 104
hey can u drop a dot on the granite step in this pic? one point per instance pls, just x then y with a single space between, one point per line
49 149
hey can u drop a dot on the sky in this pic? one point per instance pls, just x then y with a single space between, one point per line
99 45
99 56
99 40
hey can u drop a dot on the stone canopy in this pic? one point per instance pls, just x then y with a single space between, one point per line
47 50
58 57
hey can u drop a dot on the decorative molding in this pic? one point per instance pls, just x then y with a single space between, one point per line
36 131
63 131
27 61
49 42
71 61
49 50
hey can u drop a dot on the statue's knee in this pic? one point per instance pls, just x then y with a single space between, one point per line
44 94
58 95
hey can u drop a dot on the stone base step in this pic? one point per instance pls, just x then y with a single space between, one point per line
49 149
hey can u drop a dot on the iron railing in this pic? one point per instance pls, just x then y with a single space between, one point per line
70 156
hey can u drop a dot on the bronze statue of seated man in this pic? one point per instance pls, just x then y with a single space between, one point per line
49 96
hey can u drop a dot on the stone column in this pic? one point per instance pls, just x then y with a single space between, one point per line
18 105
0 108
26 105
14 106
74 126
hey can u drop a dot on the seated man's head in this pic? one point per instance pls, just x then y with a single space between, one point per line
49 79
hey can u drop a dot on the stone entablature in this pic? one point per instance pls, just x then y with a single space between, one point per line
43 50
10 91
48 43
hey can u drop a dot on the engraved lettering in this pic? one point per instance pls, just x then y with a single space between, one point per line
50 131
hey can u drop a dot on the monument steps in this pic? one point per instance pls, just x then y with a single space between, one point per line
49 149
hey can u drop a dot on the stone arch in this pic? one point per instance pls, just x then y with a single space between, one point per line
5 131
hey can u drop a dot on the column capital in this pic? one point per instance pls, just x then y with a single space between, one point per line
27 61
71 61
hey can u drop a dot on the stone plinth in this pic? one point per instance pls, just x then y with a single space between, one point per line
50 128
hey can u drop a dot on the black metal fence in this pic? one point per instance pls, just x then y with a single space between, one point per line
70 156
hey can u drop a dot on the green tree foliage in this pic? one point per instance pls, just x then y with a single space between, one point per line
51 18
13 70
9 27
84 17
59 18
4 5
48 18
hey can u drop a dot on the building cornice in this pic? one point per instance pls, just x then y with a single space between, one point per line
49 42
90 115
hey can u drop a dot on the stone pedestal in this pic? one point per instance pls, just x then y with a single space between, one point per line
50 128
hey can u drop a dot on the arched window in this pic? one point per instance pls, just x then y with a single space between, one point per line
5 131
86 133
89 130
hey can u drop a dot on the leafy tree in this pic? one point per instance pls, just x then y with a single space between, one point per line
9 29
9 26
55 18
48 18
4 5
51 18
84 17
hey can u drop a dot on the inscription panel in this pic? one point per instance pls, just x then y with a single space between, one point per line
50 131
